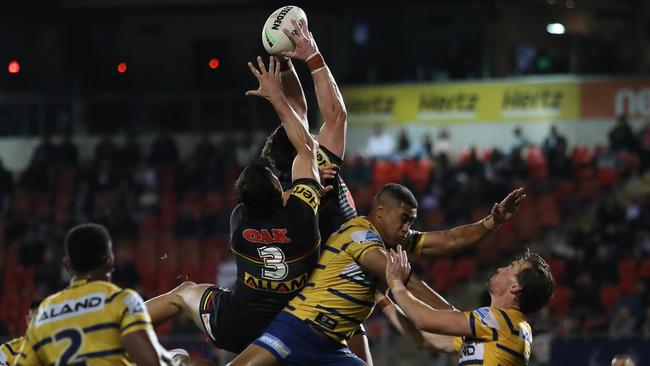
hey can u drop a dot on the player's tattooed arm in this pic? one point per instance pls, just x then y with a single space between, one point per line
304 165
423 316
446 242
333 132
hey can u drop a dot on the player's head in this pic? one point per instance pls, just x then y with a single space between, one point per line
88 248
526 282
258 188
394 209
33 308
623 360
279 151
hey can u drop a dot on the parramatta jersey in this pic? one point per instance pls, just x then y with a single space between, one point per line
9 350
499 337
275 254
337 206
84 324
340 293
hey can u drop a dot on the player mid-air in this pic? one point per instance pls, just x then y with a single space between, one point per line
275 242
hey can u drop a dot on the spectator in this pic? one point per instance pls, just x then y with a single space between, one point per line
45 153
403 144
423 149
128 154
164 151
621 137
552 144
443 144
380 145
105 150
517 141
67 154
622 324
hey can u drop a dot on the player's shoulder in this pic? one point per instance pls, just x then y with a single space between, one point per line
489 316
13 345
361 231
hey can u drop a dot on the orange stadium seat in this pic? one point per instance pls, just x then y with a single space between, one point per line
558 269
546 207
465 268
608 177
644 268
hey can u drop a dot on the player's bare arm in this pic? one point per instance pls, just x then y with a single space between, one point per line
292 88
399 320
423 316
376 261
304 165
142 349
440 243
333 133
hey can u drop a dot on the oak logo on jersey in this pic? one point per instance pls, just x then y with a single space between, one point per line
266 237
275 286
69 308
308 195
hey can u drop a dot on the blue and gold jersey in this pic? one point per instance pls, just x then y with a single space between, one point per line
9 350
340 293
83 324
499 337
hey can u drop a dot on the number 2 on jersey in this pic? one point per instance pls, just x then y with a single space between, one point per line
74 337
275 268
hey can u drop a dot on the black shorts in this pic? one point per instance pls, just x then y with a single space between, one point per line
225 320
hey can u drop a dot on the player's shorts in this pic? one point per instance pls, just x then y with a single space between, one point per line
225 322
293 342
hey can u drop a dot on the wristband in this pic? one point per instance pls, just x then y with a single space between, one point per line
384 303
315 62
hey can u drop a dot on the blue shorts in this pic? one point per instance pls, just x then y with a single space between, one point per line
293 342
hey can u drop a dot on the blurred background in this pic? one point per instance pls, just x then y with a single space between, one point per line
132 113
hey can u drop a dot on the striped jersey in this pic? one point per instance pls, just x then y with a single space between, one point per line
340 293
84 324
499 337
9 350
337 206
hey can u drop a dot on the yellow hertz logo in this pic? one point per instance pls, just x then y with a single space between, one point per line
275 286
308 195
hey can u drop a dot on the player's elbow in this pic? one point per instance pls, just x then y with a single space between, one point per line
308 147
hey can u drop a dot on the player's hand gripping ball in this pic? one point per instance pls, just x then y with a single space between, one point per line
273 38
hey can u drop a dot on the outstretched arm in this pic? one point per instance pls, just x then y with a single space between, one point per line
333 133
292 88
376 261
423 340
438 243
304 165
423 316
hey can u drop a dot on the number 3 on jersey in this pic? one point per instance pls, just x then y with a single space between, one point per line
275 268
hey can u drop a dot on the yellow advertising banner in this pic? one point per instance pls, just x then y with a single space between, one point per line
463 102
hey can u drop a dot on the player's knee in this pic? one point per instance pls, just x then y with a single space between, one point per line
180 292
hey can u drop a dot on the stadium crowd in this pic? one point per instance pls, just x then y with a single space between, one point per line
588 211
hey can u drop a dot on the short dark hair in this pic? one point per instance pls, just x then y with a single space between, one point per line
255 189
536 281
87 247
398 193
278 151
35 304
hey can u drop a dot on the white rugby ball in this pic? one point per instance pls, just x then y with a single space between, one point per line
273 38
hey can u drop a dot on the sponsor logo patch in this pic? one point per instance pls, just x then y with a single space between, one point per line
70 308
276 344
486 317
365 236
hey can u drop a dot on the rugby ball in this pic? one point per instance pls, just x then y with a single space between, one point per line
273 38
